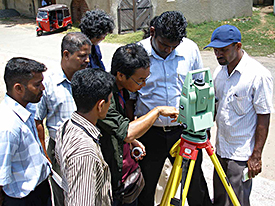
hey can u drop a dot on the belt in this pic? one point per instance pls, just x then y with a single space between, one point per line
168 128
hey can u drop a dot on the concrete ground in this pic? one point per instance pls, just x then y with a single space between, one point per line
19 39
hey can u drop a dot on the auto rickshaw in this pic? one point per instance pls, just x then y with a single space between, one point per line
50 18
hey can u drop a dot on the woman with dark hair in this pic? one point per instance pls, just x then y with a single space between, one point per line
96 24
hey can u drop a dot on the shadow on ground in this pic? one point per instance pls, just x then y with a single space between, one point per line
11 17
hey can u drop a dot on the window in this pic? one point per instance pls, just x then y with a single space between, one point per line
66 13
42 15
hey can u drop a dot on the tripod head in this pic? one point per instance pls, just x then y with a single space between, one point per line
197 101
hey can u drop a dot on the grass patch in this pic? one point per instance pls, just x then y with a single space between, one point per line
124 38
74 28
258 33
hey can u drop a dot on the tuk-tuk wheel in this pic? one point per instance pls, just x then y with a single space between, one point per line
69 26
39 33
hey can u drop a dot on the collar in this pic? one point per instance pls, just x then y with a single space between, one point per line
58 76
92 129
125 92
115 89
240 68
22 112
241 65
176 52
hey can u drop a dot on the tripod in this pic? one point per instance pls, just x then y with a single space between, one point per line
184 150
196 112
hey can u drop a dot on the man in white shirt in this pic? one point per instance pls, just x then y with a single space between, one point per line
172 56
244 91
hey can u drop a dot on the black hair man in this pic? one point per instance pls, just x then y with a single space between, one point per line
24 168
131 67
172 55
244 91
87 178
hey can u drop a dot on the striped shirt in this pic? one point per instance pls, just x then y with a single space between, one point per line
86 177
241 96
23 165
57 103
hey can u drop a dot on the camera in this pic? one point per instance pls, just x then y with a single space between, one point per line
137 152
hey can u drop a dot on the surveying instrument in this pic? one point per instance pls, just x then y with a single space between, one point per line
196 112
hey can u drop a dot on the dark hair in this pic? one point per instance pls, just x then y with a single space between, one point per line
73 42
171 25
20 70
147 30
128 58
96 23
89 86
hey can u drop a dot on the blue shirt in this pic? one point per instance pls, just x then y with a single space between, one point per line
23 164
57 103
95 58
44 3
163 88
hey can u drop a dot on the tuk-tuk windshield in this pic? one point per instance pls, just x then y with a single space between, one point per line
42 15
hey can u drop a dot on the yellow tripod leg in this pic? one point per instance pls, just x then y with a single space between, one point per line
174 179
224 180
188 180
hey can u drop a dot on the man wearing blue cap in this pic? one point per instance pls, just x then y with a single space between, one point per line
244 91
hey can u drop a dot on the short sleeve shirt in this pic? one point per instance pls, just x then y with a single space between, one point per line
241 96
57 103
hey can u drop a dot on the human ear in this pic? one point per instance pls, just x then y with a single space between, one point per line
119 76
239 45
18 88
152 31
100 105
66 54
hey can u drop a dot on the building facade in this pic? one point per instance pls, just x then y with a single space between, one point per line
195 11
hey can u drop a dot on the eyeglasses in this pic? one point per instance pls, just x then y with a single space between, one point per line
143 81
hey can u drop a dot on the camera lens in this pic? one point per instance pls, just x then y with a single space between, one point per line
137 152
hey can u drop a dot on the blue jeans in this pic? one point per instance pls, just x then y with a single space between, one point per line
119 203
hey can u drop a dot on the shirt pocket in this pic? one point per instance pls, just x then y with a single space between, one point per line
240 105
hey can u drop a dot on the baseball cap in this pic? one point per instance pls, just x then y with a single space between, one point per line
224 36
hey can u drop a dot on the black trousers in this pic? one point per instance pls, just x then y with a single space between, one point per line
57 191
41 196
158 144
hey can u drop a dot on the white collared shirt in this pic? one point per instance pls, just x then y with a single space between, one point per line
241 96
